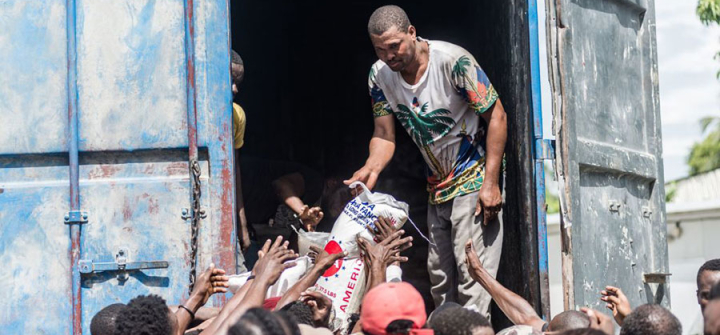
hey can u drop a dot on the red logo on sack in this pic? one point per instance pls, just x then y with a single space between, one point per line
333 248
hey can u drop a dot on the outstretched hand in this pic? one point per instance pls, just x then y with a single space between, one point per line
617 302
322 259
472 260
320 305
599 321
273 260
365 175
211 281
310 217
387 251
381 229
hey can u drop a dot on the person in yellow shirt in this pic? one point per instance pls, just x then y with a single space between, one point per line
237 72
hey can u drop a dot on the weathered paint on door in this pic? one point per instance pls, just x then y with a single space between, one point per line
148 82
605 82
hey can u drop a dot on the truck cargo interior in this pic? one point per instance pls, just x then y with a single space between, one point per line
306 99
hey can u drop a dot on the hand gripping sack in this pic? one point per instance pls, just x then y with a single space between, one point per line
344 282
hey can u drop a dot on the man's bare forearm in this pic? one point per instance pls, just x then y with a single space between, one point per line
377 275
228 308
289 188
303 284
517 309
382 149
495 143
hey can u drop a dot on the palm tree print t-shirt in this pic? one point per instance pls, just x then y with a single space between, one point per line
441 114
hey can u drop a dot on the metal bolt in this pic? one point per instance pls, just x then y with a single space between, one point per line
67 218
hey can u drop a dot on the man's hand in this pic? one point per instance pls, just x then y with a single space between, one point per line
273 260
599 321
387 251
489 202
323 260
311 217
383 229
211 281
472 260
617 302
365 175
320 305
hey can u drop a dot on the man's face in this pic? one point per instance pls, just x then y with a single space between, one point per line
237 73
395 48
712 318
705 283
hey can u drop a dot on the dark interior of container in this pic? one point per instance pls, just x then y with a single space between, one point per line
306 99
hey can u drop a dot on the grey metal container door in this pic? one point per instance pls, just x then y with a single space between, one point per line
604 75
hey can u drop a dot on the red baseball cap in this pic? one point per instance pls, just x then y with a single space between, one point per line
388 302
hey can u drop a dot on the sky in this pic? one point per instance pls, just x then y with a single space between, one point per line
689 89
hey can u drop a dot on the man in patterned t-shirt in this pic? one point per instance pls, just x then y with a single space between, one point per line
446 103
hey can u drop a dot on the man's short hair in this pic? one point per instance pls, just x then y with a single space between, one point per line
145 314
651 319
236 59
386 17
568 320
301 312
257 321
711 265
457 321
103 323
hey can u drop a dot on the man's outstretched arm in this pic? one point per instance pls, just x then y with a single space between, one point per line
382 148
517 309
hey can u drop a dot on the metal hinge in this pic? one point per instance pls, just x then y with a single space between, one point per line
656 278
185 215
120 264
76 217
544 149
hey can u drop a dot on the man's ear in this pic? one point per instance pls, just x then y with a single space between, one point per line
412 32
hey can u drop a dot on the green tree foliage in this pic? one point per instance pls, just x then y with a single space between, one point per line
708 11
705 155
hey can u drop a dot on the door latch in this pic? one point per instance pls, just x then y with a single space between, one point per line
120 264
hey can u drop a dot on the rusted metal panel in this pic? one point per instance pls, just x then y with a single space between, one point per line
605 95
110 153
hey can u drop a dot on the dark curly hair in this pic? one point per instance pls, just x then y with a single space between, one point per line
301 312
651 319
258 321
457 321
144 315
103 323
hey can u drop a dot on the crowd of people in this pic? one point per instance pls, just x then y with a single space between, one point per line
387 307
448 106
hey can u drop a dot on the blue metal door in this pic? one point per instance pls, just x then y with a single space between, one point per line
103 104
607 116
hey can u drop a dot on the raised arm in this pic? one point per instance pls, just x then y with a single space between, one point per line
208 283
323 261
517 309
